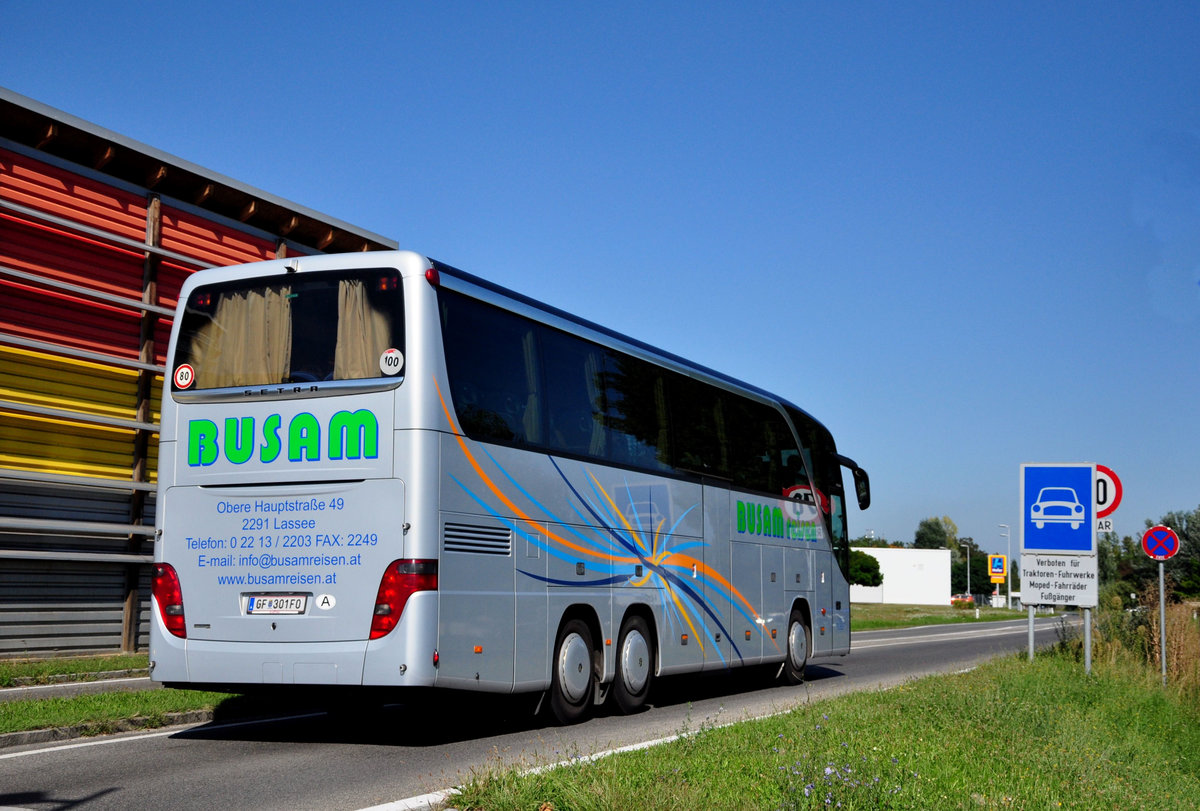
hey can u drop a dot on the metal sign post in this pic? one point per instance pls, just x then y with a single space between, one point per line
1161 543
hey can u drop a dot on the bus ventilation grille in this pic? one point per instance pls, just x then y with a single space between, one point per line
477 540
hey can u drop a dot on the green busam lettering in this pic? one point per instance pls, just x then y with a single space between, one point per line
349 435
767 521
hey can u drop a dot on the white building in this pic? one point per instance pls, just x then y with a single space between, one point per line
910 577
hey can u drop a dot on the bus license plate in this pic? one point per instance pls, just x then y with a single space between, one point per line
276 604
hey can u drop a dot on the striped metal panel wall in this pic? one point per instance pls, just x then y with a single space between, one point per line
88 272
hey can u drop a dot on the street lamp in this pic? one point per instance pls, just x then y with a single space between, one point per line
1008 567
968 548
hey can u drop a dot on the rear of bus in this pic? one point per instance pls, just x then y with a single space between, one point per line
283 553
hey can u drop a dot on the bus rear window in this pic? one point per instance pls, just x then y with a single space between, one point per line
294 328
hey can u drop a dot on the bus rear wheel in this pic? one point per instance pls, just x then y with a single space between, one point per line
573 678
635 666
799 641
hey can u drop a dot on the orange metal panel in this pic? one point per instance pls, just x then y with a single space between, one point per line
56 191
207 241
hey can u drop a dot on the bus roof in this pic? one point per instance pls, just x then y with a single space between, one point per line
450 270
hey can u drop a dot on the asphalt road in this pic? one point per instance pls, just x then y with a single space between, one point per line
361 758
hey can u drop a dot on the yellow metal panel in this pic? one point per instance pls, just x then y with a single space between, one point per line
44 445
73 385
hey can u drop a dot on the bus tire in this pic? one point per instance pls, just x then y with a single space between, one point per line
799 644
573 679
635 666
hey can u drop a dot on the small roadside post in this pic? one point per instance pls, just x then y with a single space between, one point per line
1161 543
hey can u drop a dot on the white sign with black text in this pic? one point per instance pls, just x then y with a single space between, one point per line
1059 580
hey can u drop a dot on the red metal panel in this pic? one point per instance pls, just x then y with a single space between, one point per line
65 194
48 315
210 242
55 254
170 279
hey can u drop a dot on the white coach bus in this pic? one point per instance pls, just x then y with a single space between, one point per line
376 469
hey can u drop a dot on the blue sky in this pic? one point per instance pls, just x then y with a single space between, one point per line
963 235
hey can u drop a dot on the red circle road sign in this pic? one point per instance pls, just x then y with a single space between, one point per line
1108 491
1160 543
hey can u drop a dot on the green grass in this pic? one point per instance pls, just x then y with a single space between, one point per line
874 616
100 713
45 671
1011 734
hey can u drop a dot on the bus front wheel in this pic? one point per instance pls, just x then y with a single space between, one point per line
635 666
573 679
799 640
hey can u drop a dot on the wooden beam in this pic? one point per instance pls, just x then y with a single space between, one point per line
156 176
204 194
289 226
248 211
105 155
49 135
323 243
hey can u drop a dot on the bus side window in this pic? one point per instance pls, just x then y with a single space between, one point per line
491 357
697 411
573 396
635 413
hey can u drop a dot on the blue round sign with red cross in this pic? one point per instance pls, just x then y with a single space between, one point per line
1160 543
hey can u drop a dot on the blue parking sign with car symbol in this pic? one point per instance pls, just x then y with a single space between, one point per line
1057 508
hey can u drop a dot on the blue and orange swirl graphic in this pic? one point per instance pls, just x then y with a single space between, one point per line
615 546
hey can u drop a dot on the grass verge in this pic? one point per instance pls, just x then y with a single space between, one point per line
1010 734
101 713
15 673
874 616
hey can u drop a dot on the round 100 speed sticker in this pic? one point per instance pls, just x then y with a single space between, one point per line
391 362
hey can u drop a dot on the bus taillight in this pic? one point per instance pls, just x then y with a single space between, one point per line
401 579
169 597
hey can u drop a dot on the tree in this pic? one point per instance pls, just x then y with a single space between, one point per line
1185 566
864 569
980 580
1126 569
871 541
951 531
931 534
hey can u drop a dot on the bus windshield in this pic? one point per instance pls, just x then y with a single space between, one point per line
294 328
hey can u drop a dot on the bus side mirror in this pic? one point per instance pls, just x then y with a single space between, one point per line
862 482
862 487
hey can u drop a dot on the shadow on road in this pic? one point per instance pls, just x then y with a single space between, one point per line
437 718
